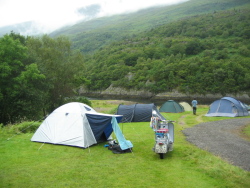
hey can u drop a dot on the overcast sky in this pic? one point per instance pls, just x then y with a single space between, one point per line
53 14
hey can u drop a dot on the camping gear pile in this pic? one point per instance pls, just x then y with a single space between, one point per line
114 146
164 135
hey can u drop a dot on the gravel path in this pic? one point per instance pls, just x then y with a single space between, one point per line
222 139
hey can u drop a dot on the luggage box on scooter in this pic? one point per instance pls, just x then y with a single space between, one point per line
162 131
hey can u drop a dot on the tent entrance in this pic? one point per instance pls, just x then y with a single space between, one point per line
102 138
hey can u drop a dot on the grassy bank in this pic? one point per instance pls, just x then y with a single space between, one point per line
27 164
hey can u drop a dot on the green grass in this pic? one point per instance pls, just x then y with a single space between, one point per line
28 164
246 131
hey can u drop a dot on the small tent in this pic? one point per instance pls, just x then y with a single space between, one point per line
186 106
77 124
227 106
172 107
138 112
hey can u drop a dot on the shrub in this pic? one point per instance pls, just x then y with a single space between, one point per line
24 127
78 99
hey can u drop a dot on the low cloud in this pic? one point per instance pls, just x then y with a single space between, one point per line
90 11
47 16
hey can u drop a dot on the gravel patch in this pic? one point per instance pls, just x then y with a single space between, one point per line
221 139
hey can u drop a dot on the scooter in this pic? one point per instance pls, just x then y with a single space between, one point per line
164 135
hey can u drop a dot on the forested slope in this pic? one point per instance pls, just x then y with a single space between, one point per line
198 54
202 54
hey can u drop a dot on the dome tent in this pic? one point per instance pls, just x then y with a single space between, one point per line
138 112
77 124
186 106
227 106
172 107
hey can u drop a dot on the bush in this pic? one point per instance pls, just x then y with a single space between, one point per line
24 127
78 99
28 127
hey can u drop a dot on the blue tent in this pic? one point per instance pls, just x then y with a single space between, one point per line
227 106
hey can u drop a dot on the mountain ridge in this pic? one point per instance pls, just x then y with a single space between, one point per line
102 31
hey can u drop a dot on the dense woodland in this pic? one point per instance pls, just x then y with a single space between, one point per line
37 76
202 54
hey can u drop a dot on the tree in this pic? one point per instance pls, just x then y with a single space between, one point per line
194 47
171 81
62 67
31 92
19 83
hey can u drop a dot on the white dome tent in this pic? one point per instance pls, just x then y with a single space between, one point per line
77 124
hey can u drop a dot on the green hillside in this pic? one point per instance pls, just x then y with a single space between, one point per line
202 54
206 53
92 35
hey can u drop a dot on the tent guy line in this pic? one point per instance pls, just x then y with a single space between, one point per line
25 128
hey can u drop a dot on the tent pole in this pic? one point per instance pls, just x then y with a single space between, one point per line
89 150
84 133
122 128
132 151
218 107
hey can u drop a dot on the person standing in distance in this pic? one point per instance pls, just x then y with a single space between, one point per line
194 105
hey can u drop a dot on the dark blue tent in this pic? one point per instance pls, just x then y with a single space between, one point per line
227 106
138 112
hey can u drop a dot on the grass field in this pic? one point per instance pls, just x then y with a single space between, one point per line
27 164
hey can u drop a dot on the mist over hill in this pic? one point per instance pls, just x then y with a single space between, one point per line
45 18
116 27
94 34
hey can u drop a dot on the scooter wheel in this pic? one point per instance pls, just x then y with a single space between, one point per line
161 155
